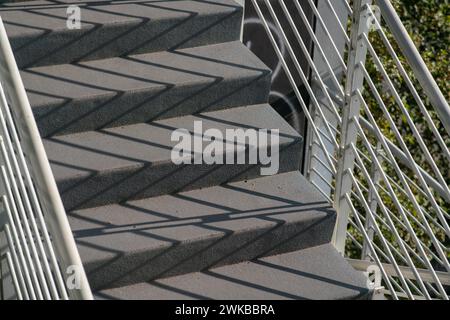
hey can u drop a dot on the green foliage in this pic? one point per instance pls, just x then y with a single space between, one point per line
428 22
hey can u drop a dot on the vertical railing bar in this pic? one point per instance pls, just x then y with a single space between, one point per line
398 286
391 191
327 33
392 247
378 231
331 157
319 46
387 246
383 209
321 191
426 213
344 32
27 264
373 205
292 82
410 215
14 276
377 260
430 286
311 62
411 87
412 125
322 178
36 205
393 196
49 195
25 196
325 135
352 238
347 6
380 251
393 216
299 69
381 138
325 166
21 280
407 153
25 220
398 153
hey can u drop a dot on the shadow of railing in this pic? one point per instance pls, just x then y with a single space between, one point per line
273 231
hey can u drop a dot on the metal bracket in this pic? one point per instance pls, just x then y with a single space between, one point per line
355 82
374 15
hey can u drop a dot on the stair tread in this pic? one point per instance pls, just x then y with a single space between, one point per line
51 85
212 215
113 28
21 17
318 273
83 154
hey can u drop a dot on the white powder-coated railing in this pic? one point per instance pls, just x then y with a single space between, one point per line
378 137
377 147
38 251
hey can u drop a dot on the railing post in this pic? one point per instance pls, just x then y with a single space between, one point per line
375 176
315 159
361 22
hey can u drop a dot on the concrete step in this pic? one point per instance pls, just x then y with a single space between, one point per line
196 230
106 93
39 32
318 273
113 165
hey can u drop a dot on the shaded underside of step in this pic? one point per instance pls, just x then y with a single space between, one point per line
39 32
132 162
192 231
112 92
318 273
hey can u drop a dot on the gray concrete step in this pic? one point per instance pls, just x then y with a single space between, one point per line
196 230
113 165
112 92
318 273
39 32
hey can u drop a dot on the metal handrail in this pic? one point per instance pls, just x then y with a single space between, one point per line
416 62
367 172
39 174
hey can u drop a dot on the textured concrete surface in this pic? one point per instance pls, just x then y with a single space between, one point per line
192 231
107 93
317 273
109 166
39 35
108 97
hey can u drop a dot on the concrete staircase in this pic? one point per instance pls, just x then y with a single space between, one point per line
107 98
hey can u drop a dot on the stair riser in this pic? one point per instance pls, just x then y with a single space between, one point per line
214 251
113 40
163 178
124 108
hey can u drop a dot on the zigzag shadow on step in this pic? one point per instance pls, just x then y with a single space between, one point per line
143 180
160 100
137 33
270 230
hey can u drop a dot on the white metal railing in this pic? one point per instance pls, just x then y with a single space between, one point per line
378 137
377 147
37 249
